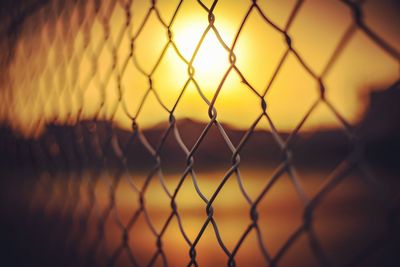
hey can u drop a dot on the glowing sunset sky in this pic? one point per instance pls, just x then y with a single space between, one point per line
42 89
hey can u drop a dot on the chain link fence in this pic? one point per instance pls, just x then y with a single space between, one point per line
86 192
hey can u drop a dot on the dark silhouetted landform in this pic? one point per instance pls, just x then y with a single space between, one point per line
78 145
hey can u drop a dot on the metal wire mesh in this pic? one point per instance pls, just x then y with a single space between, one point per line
74 220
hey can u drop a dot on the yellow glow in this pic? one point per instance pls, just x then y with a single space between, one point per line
45 89
211 58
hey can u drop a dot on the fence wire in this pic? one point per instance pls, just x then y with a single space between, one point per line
75 186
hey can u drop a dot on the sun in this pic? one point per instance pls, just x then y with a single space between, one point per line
211 60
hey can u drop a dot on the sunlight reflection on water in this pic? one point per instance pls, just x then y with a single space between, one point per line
348 217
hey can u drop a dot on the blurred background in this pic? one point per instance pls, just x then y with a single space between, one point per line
211 133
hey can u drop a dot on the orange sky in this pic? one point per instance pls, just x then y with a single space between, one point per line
43 87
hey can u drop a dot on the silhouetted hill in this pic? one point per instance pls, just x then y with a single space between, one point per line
380 127
89 143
